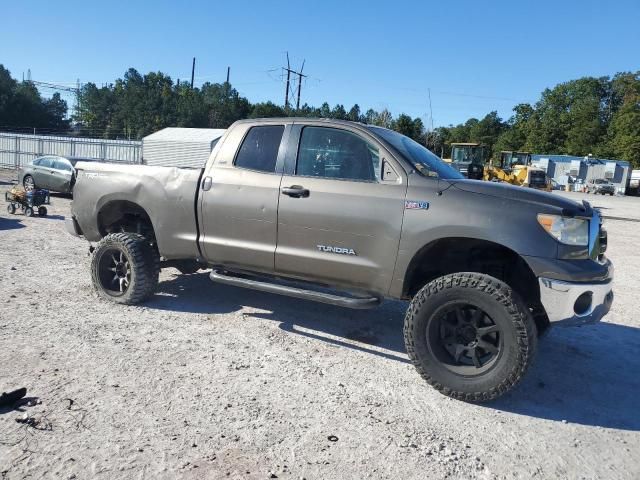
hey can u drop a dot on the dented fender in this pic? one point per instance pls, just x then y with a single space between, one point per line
166 194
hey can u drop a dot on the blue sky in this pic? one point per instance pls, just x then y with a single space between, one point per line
474 56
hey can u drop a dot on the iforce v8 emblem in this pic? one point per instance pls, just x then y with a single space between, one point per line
416 205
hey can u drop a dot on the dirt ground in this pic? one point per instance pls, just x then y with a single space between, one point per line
208 381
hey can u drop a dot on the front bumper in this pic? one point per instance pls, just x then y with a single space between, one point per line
568 303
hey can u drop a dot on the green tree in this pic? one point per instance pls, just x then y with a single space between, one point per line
266 110
412 128
487 130
624 130
339 112
354 114
22 106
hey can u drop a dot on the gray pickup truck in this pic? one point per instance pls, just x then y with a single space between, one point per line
349 214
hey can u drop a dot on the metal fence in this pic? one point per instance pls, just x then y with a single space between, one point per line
18 149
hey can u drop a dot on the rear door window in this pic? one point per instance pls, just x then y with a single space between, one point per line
259 150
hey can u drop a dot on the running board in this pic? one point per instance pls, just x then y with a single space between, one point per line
228 278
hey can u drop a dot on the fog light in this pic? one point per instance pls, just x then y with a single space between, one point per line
583 303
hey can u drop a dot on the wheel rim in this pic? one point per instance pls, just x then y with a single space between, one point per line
465 339
28 183
114 272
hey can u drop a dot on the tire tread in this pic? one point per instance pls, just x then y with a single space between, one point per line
503 294
145 260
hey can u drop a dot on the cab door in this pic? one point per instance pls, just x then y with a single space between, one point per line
239 198
341 209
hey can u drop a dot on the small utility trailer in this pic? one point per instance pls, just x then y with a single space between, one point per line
28 201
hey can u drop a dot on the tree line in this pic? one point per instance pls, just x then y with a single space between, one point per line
599 116
22 106
137 105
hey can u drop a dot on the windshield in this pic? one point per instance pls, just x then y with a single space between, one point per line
467 154
420 157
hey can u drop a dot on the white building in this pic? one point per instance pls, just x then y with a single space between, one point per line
180 147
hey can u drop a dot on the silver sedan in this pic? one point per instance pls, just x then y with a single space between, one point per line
51 172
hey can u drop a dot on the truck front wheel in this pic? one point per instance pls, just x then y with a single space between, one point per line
470 336
125 268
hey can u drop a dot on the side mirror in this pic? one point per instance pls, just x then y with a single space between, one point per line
388 173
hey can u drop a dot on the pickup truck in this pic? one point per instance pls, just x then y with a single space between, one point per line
350 214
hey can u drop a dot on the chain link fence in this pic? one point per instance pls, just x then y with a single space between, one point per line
19 149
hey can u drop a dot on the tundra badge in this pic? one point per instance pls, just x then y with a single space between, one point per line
341 250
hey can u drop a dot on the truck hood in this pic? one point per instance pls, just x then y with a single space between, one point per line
522 194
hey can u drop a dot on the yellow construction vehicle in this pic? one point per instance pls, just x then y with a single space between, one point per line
515 168
468 159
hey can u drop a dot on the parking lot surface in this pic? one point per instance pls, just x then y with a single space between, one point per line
209 381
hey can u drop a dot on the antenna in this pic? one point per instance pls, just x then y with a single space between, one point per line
430 109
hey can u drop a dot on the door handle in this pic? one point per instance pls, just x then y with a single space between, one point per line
206 183
295 191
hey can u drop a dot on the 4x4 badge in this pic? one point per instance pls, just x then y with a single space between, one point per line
415 205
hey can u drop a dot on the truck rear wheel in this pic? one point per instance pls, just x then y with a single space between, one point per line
125 268
470 336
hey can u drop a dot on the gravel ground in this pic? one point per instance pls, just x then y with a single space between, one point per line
208 381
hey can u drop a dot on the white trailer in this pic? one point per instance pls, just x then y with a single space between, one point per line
634 183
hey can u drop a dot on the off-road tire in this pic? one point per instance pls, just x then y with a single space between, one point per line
11 208
28 212
42 211
144 262
517 326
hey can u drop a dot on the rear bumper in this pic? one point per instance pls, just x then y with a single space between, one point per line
72 226
568 303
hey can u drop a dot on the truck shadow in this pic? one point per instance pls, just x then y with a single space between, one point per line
10 223
377 331
586 375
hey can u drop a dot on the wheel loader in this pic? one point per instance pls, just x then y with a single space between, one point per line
515 168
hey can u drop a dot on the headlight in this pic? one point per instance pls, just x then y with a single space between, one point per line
570 231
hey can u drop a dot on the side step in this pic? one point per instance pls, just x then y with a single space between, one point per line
228 278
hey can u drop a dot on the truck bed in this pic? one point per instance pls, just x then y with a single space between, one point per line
167 194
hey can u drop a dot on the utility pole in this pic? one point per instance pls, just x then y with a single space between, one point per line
193 71
78 99
300 75
286 95
228 72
